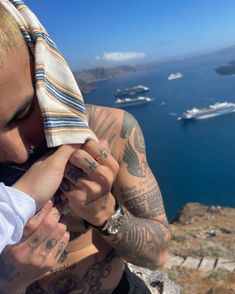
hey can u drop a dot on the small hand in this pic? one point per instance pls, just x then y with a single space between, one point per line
89 178
43 178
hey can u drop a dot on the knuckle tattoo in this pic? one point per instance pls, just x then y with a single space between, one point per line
60 250
35 241
75 174
91 164
50 244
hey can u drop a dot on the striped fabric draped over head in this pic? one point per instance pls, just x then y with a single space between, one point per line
60 100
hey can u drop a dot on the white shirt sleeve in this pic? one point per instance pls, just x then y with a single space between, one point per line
16 208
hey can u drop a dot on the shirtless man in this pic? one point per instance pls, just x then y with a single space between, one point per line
114 179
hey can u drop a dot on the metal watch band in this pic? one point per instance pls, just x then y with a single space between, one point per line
113 223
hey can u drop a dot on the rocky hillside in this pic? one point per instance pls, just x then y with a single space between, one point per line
87 78
202 251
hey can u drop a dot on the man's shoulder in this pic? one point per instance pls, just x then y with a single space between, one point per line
111 124
115 118
98 113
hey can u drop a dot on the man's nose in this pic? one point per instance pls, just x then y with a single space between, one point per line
16 149
17 154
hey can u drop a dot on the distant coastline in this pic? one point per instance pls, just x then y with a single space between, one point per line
87 78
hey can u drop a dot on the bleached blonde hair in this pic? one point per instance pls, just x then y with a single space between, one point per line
10 34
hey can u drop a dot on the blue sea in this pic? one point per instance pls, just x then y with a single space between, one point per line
193 162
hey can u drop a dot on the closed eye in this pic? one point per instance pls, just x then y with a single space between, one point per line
22 113
26 113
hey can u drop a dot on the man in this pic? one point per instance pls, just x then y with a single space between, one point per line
111 203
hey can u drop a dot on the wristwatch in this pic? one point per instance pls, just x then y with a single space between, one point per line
113 223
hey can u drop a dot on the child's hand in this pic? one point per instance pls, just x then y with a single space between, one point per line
43 178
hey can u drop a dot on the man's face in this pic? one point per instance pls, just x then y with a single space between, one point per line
20 116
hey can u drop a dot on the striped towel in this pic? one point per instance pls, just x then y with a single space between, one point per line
64 115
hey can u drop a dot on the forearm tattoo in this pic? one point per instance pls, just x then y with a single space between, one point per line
147 205
140 241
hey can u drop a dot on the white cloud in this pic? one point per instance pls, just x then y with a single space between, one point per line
120 56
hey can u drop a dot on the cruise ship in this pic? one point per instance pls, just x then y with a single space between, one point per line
216 109
124 102
175 76
131 91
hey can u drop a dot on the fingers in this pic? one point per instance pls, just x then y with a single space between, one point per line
59 158
63 153
47 243
47 225
93 161
34 222
57 242
42 250
98 154
83 194
97 180
88 180
59 249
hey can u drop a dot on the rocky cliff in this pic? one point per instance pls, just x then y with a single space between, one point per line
202 250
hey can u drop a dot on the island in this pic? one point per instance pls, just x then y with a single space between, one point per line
228 69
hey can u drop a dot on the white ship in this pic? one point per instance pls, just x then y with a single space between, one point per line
123 102
175 76
213 110
131 91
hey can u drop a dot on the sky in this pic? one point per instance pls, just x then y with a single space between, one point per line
93 33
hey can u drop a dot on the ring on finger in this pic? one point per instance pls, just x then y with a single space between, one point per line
102 154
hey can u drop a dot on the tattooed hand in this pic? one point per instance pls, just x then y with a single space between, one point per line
44 242
88 181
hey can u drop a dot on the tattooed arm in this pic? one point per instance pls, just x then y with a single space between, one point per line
144 238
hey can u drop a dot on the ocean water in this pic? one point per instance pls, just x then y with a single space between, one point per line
193 162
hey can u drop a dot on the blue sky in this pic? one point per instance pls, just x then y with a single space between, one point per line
111 32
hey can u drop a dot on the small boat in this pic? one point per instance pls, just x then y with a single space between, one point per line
175 76
131 91
123 102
